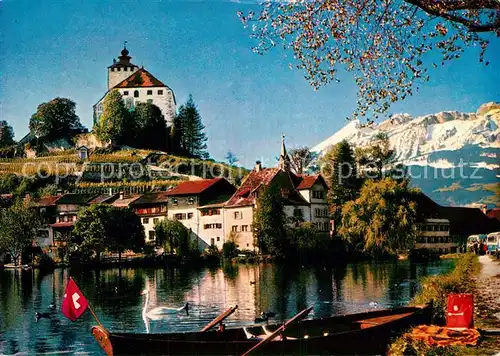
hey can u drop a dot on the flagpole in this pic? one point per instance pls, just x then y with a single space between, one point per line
95 317
92 311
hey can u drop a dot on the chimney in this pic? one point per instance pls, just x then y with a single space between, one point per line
258 166
121 195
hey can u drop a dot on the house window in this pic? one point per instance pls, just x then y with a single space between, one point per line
238 215
297 212
191 201
125 93
244 227
151 235
190 215
156 221
234 228
150 92
218 238
174 201
317 194
145 221
212 241
136 93
163 208
160 92
180 216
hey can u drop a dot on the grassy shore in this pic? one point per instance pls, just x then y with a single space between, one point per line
437 288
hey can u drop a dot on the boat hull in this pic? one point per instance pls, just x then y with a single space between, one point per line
363 333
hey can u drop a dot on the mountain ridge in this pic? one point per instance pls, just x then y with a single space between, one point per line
449 148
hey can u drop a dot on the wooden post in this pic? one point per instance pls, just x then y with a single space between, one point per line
219 319
280 330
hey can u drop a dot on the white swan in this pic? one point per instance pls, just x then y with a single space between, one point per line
158 312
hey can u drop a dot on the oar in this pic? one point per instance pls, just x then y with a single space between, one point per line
219 319
280 330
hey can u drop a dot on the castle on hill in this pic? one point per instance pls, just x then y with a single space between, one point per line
136 85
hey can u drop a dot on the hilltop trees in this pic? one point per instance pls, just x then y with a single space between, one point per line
231 158
115 124
6 134
382 220
18 226
384 44
151 127
187 134
55 119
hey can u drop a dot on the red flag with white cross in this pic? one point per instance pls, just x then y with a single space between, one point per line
74 303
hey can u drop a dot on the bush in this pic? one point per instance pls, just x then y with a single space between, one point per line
437 288
229 250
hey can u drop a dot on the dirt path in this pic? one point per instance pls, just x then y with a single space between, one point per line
488 293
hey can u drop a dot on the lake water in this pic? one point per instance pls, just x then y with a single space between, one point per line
116 298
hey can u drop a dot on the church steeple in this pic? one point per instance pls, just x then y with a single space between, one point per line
284 160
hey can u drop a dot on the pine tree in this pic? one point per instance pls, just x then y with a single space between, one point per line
344 183
192 138
175 133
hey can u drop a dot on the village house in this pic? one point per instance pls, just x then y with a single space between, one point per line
151 209
136 85
67 208
47 211
304 199
444 229
196 205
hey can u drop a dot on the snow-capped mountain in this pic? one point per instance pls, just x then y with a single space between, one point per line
444 141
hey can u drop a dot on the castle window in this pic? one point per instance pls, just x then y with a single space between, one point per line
150 92
125 92
136 94
118 69
112 69
160 92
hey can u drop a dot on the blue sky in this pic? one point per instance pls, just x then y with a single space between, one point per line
58 48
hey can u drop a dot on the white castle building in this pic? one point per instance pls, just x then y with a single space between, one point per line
137 85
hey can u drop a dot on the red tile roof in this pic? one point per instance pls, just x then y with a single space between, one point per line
46 201
494 213
151 198
193 187
140 79
63 224
307 182
252 182
126 201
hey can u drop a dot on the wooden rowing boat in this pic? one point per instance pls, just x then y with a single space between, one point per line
362 333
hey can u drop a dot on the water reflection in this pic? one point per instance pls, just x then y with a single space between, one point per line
115 295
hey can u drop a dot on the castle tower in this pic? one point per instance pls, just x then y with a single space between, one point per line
284 160
121 69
